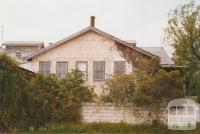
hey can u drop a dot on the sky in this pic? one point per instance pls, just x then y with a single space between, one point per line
52 20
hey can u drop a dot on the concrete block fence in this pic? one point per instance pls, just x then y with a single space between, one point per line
108 112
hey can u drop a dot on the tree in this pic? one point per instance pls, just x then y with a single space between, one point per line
13 90
13 82
155 86
195 85
158 89
183 34
43 100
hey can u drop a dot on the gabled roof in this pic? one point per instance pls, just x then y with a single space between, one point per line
159 51
73 36
24 43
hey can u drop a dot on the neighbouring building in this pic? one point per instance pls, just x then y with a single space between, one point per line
94 52
1 50
20 49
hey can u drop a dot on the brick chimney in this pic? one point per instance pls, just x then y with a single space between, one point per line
92 21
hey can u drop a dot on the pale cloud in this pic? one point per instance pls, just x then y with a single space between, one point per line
52 20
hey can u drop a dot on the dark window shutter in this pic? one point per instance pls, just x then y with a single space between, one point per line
99 70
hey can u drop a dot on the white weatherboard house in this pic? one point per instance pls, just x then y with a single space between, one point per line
93 52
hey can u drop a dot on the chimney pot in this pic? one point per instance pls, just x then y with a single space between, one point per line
92 21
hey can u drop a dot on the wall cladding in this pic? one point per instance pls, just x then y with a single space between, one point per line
108 112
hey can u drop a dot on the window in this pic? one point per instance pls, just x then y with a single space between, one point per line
18 55
61 69
119 67
83 67
44 67
99 70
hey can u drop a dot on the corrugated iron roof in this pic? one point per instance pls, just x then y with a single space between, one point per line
24 43
159 51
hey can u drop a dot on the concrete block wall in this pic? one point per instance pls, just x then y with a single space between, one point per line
108 112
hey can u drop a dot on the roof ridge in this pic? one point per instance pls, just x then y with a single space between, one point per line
77 34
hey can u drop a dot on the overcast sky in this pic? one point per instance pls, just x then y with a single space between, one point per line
52 20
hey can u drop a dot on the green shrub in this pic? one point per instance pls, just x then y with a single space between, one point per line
43 100
194 86
13 92
147 86
158 89
119 89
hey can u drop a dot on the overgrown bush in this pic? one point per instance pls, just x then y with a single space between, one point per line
194 86
41 101
148 86
73 91
13 92
120 89
158 89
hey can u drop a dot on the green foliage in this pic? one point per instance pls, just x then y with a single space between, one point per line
155 86
194 88
58 100
13 91
160 88
148 86
73 88
109 128
149 67
183 34
12 83
120 89
43 100
73 91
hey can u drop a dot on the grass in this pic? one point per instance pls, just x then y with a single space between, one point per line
108 128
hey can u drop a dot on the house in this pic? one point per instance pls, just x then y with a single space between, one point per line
20 49
29 74
94 52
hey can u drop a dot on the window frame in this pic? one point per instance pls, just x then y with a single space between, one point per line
42 71
103 79
57 67
86 62
117 72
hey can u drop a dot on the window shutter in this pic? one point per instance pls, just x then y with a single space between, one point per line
99 71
